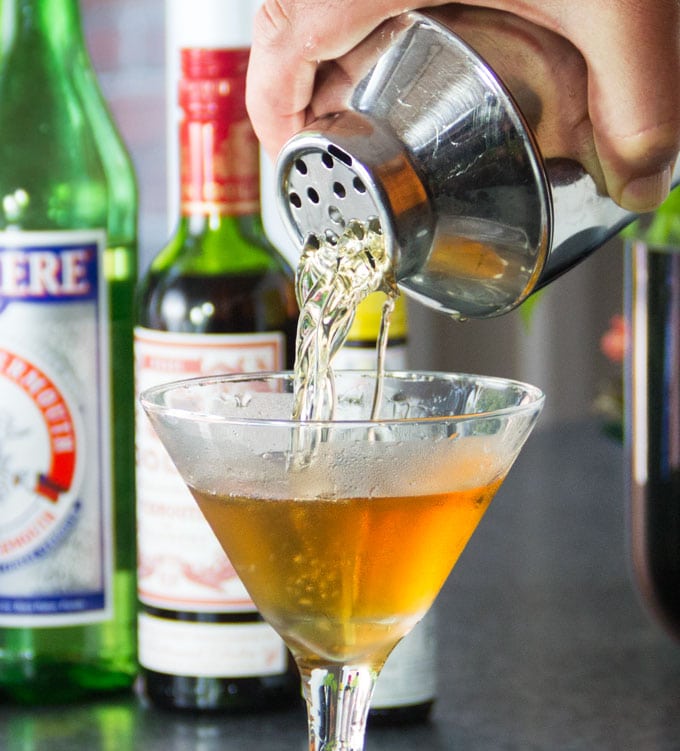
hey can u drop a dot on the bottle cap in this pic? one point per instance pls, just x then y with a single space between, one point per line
366 326
219 151
213 83
211 24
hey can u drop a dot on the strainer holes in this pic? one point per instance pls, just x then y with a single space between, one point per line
358 185
336 215
339 190
340 154
327 160
300 166
312 195
295 199
312 241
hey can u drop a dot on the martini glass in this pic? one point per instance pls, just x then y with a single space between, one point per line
343 531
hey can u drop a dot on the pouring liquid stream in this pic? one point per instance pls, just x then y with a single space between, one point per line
333 276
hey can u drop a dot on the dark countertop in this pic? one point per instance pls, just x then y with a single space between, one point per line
544 645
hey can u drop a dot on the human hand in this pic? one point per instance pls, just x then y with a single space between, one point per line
632 65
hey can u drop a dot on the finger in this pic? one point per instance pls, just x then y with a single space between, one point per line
280 76
290 39
632 51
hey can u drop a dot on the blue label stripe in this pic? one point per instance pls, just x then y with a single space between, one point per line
48 274
52 605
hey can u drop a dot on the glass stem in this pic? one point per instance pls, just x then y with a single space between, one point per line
338 699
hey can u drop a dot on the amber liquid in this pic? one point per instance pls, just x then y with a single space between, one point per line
344 579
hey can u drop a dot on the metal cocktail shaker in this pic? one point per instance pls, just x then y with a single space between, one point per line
472 149
469 147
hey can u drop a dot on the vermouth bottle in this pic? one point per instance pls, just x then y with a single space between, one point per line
407 685
68 213
217 298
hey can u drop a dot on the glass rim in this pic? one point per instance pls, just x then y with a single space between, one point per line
534 402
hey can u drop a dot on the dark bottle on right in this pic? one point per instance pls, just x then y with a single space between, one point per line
652 398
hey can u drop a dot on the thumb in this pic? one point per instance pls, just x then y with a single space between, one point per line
632 51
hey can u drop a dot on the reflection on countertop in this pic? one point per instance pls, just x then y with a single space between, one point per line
544 643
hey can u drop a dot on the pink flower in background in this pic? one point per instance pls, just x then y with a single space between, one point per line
609 402
613 341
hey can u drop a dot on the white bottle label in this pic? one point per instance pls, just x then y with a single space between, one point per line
181 565
55 473
210 650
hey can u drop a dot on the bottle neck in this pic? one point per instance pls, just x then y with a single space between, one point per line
219 152
55 23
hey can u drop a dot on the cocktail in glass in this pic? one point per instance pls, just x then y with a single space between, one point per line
344 531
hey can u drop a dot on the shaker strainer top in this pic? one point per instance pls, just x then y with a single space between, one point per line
325 192
351 168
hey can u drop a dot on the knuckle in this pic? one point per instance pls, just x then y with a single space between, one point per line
653 145
295 25
273 21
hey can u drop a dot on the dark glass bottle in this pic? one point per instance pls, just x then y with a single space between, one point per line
217 298
652 399
68 215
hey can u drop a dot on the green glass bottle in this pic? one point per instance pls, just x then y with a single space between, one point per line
68 215
217 298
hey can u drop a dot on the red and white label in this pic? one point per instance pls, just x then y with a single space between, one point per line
181 564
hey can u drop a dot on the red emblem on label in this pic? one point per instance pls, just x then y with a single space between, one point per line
38 451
